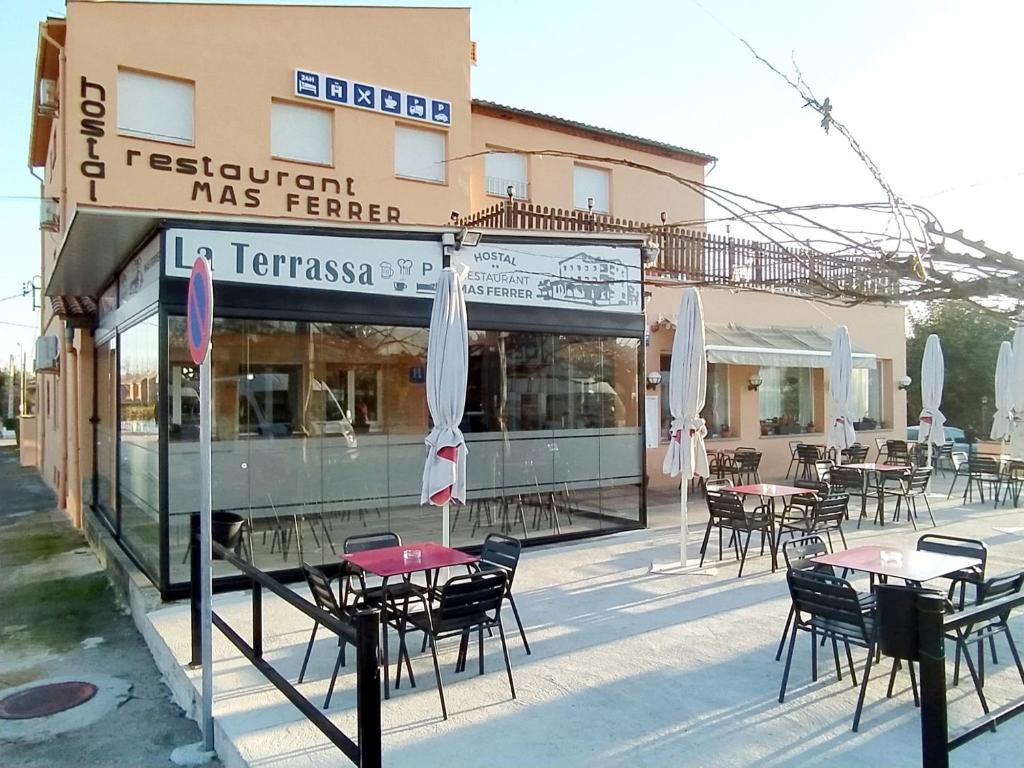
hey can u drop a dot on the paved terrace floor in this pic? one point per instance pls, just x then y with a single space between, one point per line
628 668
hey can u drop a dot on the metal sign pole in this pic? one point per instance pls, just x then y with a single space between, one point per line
206 535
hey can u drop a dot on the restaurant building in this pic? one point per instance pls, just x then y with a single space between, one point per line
328 184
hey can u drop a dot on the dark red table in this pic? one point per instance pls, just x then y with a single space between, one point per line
880 471
769 491
914 567
391 561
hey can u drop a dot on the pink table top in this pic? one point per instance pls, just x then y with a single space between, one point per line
879 467
767 489
915 566
390 561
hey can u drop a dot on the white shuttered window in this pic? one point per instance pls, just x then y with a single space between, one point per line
504 170
301 133
593 183
419 154
153 107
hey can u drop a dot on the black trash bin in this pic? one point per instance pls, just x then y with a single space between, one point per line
226 530
896 616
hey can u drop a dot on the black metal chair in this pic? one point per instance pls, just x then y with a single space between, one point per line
727 513
914 486
897 452
828 607
793 456
989 590
501 553
746 462
854 454
823 469
959 547
807 455
982 470
323 596
825 513
843 479
958 459
879 448
465 603
362 594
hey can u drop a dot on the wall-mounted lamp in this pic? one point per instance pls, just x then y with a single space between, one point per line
510 191
590 204
904 383
653 379
467 238
754 382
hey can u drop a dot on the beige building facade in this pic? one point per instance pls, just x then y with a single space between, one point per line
327 182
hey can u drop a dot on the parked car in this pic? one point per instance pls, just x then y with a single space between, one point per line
954 435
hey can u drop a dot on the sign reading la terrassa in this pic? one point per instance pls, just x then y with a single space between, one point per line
345 92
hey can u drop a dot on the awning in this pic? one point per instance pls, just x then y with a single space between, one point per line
773 347
76 311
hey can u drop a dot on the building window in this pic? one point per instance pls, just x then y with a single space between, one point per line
419 154
504 170
588 184
867 397
716 403
786 398
301 133
153 107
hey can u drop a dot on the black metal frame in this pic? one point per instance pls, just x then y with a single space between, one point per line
933 625
366 750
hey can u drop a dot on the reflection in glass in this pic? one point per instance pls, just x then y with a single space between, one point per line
786 398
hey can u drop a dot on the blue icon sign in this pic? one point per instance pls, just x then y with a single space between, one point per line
336 90
416 106
307 83
391 101
364 96
441 111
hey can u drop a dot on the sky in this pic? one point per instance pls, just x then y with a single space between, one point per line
929 88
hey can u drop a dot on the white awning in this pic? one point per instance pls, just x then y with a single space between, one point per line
773 347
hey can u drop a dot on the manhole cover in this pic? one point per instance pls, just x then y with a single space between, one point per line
43 700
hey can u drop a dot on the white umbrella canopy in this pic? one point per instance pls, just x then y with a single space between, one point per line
1002 421
932 426
687 391
1017 379
840 390
444 473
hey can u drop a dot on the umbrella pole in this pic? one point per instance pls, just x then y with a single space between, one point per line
929 488
445 536
683 528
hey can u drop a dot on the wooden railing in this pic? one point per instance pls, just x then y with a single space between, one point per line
694 256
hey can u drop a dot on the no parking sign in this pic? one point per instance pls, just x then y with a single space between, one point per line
199 312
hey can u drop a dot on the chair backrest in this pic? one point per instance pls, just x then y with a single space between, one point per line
501 552
959 458
959 547
726 505
842 478
856 454
819 487
361 542
793 445
880 443
745 449
798 553
463 597
1000 586
832 508
716 483
918 481
822 599
808 454
823 469
747 460
320 588
979 464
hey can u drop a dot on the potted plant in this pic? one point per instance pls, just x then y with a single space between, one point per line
725 430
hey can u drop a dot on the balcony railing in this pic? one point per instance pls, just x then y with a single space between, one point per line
499 186
694 256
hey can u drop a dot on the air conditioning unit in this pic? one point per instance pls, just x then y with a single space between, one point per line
47 354
48 101
49 214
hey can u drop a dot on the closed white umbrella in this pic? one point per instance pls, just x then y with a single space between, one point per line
687 390
1017 439
840 390
444 473
1002 421
932 425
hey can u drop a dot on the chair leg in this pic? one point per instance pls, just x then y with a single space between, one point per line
785 633
835 656
309 648
962 643
928 506
437 676
704 545
743 557
892 678
1013 651
863 687
814 656
849 661
519 623
913 684
334 677
508 662
789 661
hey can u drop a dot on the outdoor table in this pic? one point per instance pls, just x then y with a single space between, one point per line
770 492
913 566
388 562
880 472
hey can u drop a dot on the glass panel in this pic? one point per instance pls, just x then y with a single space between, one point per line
786 398
318 435
106 430
139 465
867 397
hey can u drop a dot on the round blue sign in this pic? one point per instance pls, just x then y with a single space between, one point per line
199 313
